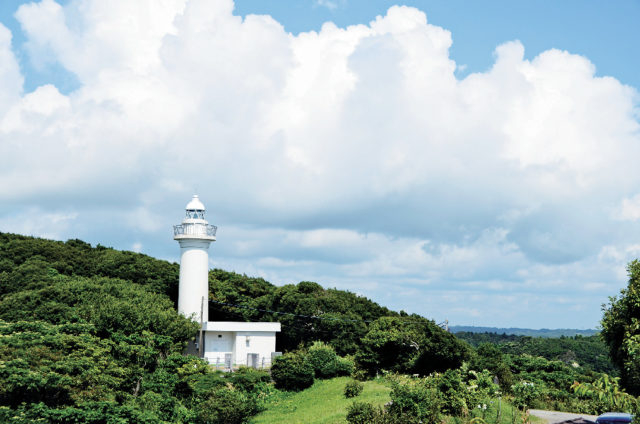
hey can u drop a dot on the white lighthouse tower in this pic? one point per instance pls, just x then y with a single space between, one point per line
194 235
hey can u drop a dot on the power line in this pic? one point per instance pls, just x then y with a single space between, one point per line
444 325
290 313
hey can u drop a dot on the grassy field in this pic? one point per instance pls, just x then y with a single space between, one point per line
323 403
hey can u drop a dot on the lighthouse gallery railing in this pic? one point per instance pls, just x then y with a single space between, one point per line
195 230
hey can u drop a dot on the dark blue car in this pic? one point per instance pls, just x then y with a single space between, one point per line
614 418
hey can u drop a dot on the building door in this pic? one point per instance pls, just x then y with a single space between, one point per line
228 361
252 360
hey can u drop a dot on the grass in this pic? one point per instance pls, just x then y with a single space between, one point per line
322 403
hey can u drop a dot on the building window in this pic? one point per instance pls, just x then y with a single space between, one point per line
248 341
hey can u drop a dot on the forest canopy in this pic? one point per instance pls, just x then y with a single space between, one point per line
93 331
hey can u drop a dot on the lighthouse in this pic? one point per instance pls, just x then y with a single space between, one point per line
195 235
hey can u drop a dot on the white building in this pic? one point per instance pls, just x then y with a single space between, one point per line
225 344
230 344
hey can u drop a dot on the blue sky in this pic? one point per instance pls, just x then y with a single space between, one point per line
470 161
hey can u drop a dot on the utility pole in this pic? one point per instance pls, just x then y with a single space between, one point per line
200 348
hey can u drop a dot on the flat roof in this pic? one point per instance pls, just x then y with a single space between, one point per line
241 326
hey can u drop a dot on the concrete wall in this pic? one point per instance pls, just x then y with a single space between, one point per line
239 344
262 343
217 344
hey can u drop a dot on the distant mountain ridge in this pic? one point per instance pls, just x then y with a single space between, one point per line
543 332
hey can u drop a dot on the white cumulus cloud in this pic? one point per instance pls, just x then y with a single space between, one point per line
352 156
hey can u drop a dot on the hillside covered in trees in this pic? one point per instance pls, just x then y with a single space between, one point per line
88 329
589 352
91 334
542 332
31 269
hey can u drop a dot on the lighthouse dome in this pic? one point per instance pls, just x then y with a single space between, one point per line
195 204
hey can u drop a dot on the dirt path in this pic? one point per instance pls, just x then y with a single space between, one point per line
557 417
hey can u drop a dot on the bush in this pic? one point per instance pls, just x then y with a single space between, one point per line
415 400
362 413
247 379
454 393
326 363
482 388
353 389
525 393
204 384
345 365
360 374
226 405
323 359
292 371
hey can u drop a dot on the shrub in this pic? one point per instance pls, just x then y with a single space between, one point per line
247 379
454 393
362 413
323 359
292 371
353 388
360 374
226 405
415 400
206 383
326 363
345 365
525 393
481 388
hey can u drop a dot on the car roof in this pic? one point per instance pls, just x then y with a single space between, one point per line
614 417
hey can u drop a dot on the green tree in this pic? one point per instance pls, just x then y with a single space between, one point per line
411 345
489 357
621 330
56 364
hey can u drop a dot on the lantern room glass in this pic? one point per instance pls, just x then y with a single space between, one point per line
195 214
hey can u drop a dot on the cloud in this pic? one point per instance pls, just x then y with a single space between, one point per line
35 222
630 208
351 156
329 4
10 78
